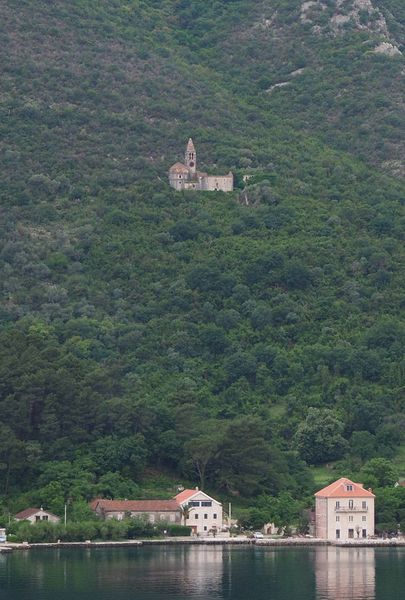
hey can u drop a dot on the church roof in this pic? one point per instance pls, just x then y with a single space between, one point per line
190 146
178 167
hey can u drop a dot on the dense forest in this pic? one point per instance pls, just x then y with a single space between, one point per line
251 343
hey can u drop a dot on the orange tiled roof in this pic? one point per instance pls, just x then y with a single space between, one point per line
135 505
185 495
338 489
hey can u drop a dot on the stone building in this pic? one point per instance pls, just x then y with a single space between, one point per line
34 515
203 514
193 508
153 510
344 510
185 176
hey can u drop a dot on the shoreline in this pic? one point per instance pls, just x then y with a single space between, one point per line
287 542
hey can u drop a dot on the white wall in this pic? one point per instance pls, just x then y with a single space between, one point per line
202 518
42 514
344 518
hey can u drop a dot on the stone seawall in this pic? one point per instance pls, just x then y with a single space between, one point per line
239 541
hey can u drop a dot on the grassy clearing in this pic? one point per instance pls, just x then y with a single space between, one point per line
322 475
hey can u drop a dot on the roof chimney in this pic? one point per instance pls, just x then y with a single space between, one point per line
196 487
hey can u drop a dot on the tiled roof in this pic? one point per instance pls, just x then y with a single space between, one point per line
29 512
178 168
135 505
339 489
185 495
188 494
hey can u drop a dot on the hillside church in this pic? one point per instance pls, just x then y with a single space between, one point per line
187 177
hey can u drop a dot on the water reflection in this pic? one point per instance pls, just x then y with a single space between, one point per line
345 573
204 573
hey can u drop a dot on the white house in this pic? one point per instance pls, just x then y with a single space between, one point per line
34 515
204 514
344 510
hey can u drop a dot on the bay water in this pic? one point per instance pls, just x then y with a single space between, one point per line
204 573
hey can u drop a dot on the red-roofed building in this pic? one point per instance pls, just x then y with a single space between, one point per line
153 510
34 515
193 508
200 512
344 510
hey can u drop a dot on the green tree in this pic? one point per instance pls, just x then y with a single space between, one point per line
379 472
319 438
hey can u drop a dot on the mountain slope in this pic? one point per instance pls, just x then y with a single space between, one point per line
143 328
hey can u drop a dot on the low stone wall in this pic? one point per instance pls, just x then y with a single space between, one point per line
217 541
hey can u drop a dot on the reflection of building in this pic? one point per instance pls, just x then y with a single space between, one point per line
204 514
345 573
344 510
34 515
185 176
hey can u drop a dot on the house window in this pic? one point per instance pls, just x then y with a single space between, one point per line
206 503
205 516
195 516
364 533
45 518
194 503
337 519
350 503
337 504
364 504
205 528
162 517
337 534
349 488
364 518
351 518
37 518
351 533
214 516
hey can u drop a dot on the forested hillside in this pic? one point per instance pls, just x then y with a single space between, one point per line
150 337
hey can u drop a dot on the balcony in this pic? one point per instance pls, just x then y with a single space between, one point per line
354 509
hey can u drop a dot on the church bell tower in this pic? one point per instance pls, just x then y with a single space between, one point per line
191 157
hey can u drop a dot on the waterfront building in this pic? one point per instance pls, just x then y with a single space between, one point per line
152 510
193 508
34 515
200 512
344 511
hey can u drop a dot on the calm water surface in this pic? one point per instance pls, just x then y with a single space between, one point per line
202 573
